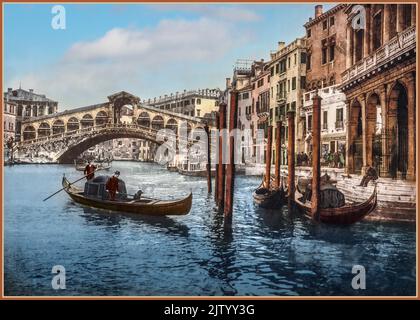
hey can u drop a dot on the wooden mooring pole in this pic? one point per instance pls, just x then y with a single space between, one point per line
278 151
316 155
222 142
216 176
208 165
291 156
268 157
230 167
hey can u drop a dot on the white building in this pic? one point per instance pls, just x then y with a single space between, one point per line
333 119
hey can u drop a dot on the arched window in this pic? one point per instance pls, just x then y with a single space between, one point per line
44 130
72 124
143 119
58 126
87 121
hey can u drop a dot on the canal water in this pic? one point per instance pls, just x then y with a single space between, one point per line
264 253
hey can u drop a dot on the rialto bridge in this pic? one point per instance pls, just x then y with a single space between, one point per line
62 136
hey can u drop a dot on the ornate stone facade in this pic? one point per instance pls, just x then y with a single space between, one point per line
380 88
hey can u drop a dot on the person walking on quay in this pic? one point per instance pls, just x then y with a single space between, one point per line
89 170
112 185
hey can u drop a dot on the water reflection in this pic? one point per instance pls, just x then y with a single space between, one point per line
117 220
261 252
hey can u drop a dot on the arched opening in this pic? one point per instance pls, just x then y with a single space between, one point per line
374 132
355 161
172 125
398 125
58 127
73 124
87 121
101 118
29 133
144 119
157 123
44 130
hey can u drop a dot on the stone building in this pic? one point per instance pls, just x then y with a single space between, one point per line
195 103
29 105
379 84
326 46
333 118
260 82
9 120
287 84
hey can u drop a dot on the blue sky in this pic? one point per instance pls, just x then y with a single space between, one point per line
149 50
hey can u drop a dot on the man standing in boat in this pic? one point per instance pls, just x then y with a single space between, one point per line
89 171
112 185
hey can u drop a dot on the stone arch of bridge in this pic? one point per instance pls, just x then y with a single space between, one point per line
75 150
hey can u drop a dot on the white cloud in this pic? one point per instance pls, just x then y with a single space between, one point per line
125 58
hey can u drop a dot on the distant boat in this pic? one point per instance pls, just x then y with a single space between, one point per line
99 165
94 195
196 173
172 168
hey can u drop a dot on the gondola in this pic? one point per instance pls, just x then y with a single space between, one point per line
270 198
95 195
196 173
347 214
99 165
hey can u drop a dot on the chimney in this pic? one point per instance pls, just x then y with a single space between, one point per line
281 45
318 10
228 82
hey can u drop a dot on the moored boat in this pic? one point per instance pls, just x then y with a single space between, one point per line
95 195
270 198
347 214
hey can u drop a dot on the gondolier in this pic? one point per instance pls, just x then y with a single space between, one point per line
112 185
89 170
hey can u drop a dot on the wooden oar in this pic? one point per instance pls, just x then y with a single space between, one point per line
71 184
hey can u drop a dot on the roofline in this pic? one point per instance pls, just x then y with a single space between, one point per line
325 14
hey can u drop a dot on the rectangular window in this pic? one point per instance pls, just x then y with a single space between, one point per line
377 31
245 95
198 112
272 71
303 82
325 120
332 51
293 106
198 101
310 122
277 68
288 62
295 58
332 21
325 24
283 66
294 83
308 33
303 57
288 85
308 62
324 55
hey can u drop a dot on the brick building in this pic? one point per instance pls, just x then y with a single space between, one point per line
379 84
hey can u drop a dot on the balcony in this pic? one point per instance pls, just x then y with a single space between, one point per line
281 97
400 44
339 125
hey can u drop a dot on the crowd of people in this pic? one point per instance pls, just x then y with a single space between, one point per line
328 159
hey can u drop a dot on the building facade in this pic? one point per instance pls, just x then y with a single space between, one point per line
326 46
380 85
260 83
327 49
333 119
9 120
29 105
287 84
195 103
